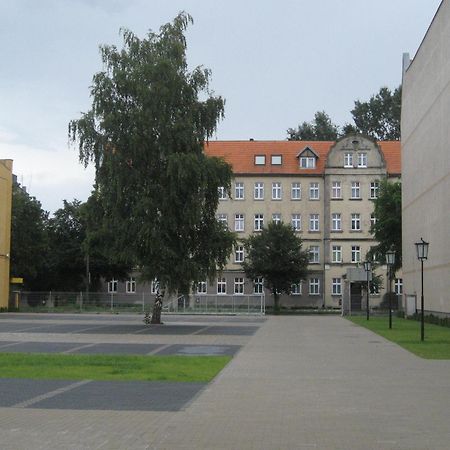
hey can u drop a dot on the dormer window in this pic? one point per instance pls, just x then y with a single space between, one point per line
276 160
348 159
307 158
260 160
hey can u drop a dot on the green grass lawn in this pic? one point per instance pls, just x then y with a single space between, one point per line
107 367
406 333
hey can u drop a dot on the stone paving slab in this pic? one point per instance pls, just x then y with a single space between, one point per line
38 347
118 349
204 350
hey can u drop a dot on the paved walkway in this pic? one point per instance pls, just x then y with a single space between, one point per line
299 383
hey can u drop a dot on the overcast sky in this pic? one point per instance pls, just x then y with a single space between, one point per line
276 62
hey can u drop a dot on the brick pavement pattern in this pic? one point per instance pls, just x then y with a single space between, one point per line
299 383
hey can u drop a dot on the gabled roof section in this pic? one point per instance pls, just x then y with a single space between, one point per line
241 155
308 151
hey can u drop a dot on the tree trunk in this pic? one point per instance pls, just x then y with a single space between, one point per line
157 307
276 303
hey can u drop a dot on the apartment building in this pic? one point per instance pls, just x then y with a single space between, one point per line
5 228
325 191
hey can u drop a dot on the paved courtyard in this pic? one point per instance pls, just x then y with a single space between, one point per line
293 383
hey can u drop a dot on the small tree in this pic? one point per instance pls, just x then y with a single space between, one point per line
276 255
388 227
320 129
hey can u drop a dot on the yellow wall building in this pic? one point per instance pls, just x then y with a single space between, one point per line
5 228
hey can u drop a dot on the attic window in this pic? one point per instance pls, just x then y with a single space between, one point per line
276 160
260 160
307 162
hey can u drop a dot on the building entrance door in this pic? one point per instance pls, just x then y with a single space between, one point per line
355 296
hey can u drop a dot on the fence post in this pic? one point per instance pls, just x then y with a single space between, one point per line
81 301
248 304
112 301
143 302
50 299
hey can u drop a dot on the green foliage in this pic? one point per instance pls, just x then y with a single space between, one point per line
112 367
145 134
276 255
320 129
388 228
379 117
406 333
29 242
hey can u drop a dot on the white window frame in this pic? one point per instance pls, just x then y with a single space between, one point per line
222 193
336 286
221 286
239 222
276 190
348 159
113 285
398 286
258 222
374 186
296 190
238 286
276 218
314 254
296 221
314 286
130 286
336 253
356 190
336 189
355 222
223 218
336 222
239 254
307 162
202 287
362 160
373 220
258 285
260 160
154 285
276 160
258 191
239 192
356 254
296 288
314 192
314 224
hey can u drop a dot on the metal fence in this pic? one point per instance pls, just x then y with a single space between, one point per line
138 303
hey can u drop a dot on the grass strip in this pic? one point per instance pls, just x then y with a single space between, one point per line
406 333
109 367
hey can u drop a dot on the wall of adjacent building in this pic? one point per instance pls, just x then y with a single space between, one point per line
5 228
426 164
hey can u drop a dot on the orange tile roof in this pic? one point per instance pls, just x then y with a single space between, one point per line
241 155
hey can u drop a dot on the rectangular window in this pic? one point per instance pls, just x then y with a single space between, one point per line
260 160
314 191
314 222
348 159
239 254
374 288
356 222
307 162
154 286
374 186
223 218
398 286
336 286
222 193
259 190
373 220
336 222
259 222
296 222
336 189
314 286
112 286
356 254
221 286
276 217
239 286
258 285
314 254
336 254
356 189
296 191
239 190
202 287
276 190
362 159
130 286
296 289
276 160
239 222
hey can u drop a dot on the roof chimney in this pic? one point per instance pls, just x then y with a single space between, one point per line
251 139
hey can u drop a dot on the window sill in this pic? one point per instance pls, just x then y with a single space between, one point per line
337 231
337 199
359 199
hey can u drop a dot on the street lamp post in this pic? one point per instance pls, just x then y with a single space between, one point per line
422 253
368 269
390 261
